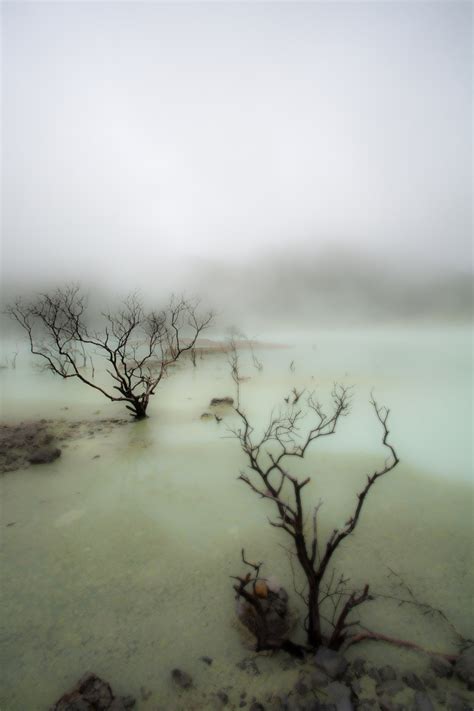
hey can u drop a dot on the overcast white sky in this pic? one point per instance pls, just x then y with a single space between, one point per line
139 134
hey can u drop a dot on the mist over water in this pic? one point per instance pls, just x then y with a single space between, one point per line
305 170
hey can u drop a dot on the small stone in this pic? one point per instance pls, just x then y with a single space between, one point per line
413 681
73 704
429 680
357 688
387 673
333 663
386 704
423 702
181 678
440 696
464 666
96 691
44 455
117 705
129 702
227 401
358 667
206 660
389 688
457 703
374 674
301 688
340 695
318 679
441 667
223 697
248 665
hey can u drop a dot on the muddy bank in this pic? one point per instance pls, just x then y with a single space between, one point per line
39 442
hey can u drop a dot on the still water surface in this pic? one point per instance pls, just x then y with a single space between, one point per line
120 563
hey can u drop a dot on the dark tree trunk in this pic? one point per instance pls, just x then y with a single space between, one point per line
138 408
315 638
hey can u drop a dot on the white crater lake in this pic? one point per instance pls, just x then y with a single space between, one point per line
117 557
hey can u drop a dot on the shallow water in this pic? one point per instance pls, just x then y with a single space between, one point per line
120 564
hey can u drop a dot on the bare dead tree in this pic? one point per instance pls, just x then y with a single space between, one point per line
138 346
268 475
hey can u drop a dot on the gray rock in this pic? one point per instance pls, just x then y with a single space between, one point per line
96 691
389 688
333 663
387 704
129 702
440 696
387 673
374 674
277 703
318 679
90 692
429 680
301 687
248 665
358 667
441 667
423 702
223 697
145 693
464 667
272 615
413 681
340 695
457 703
182 678
356 687
117 705
206 660
77 704
217 401
45 455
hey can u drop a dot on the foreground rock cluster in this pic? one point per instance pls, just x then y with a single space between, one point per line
327 681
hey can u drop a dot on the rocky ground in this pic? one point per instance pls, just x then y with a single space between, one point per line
325 681
39 442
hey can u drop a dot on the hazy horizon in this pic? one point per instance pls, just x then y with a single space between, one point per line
143 141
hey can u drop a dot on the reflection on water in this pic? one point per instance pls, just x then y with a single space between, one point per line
120 563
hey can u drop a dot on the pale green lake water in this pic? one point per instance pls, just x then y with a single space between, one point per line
121 564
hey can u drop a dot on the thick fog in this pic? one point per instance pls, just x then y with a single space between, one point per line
282 159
